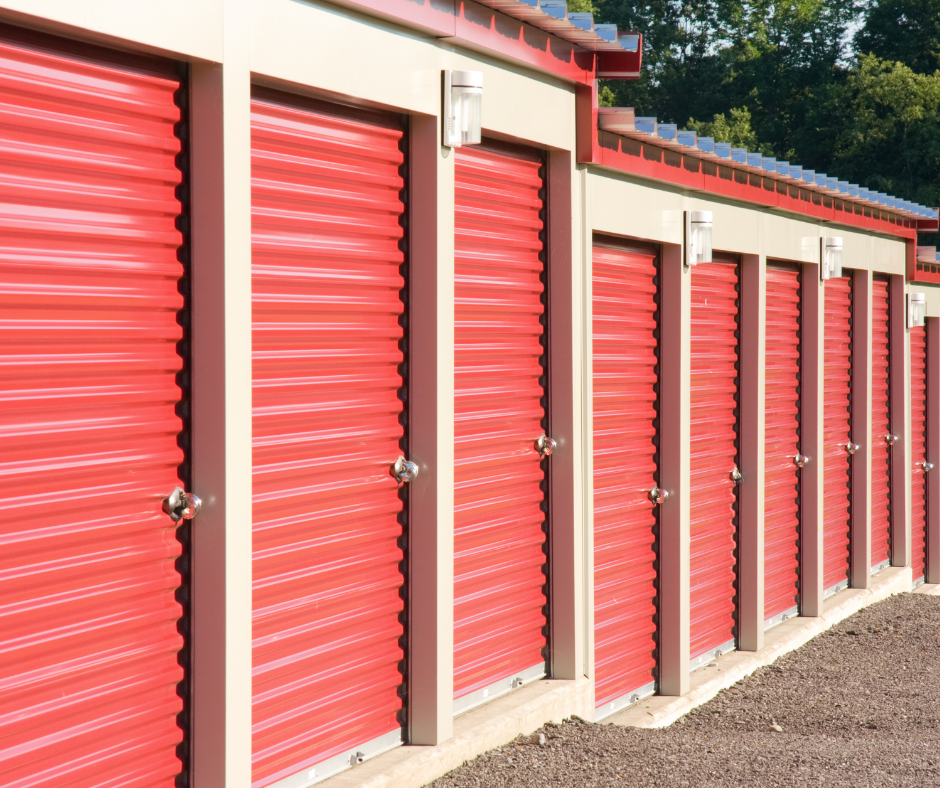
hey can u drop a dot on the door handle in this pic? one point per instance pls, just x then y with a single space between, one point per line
891 439
657 495
181 505
736 476
851 448
545 445
404 471
800 460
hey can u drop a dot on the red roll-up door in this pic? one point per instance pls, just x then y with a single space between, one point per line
625 469
880 428
837 431
713 456
89 332
499 520
918 452
782 442
327 427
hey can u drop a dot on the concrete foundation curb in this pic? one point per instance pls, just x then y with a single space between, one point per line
528 708
930 589
520 712
660 711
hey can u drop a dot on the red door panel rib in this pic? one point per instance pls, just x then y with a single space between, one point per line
326 331
625 421
837 430
89 300
782 442
714 419
500 563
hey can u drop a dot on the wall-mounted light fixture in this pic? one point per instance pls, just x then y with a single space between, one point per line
463 108
916 310
830 258
698 237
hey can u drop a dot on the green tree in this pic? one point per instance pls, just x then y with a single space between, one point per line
906 31
682 72
735 128
782 62
890 138
782 78
580 5
706 57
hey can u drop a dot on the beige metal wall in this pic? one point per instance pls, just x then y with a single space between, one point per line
316 49
639 208
932 292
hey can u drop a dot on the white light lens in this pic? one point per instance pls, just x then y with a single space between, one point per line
699 228
833 262
916 310
831 259
467 106
701 243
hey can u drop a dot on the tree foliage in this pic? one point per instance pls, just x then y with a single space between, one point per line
736 129
904 31
848 87
890 139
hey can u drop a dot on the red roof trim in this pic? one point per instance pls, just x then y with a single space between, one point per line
490 31
636 157
483 29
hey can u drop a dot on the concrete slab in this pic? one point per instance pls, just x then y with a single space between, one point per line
707 682
520 712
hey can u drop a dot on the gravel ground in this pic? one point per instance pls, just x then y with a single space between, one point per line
858 706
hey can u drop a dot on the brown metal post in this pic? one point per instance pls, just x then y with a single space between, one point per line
431 417
751 490
222 474
900 404
675 370
860 563
565 391
812 377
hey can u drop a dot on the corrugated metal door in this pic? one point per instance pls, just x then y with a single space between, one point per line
625 342
713 454
327 313
837 432
880 428
782 442
918 452
89 332
499 498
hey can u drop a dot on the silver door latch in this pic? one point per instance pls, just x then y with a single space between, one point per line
927 466
657 495
404 471
851 448
800 460
181 505
545 445
736 476
891 439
